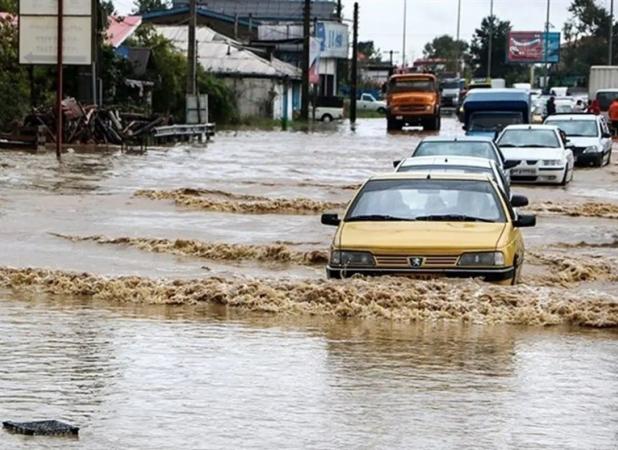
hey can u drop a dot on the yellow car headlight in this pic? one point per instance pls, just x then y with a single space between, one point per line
482 259
340 258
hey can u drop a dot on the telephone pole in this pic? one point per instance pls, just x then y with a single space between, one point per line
304 106
192 57
611 34
458 37
491 38
405 24
59 80
546 47
354 77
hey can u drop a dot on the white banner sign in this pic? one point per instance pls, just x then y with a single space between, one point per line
50 7
38 40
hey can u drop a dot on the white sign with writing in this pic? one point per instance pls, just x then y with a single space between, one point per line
50 7
38 40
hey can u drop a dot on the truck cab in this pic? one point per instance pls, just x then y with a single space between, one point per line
413 99
487 111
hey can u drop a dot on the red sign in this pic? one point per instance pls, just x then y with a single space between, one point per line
525 46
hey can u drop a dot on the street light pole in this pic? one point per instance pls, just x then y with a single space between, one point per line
405 19
611 33
491 37
457 41
546 49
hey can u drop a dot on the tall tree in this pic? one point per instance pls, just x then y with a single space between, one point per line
445 47
370 51
142 6
479 50
8 6
586 34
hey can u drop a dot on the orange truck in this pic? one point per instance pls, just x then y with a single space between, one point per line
413 99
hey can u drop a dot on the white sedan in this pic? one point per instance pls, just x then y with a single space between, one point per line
540 153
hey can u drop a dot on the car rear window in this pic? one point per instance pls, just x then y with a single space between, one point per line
529 138
476 149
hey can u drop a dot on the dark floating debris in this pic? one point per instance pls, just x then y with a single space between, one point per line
41 427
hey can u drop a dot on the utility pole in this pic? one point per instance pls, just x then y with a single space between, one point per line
192 57
458 37
546 47
491 38
59 80
405 24
354 77
304 108
611 34
339 10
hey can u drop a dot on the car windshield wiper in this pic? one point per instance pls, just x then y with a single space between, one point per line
507 145
378 218
537 146
453 218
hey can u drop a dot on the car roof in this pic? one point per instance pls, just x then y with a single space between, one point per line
457 139
531 127
583 116
441 161
431 176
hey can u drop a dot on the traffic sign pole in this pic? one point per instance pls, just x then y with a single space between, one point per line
59 81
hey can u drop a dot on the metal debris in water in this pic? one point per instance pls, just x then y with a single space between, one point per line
41 428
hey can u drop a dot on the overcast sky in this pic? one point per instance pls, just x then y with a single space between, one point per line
382 20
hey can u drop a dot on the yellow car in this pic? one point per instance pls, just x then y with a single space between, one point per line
413 223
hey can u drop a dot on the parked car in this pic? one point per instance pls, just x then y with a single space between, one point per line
420 223
537 154
455 164
329 109
368 102
474 146
588 137
413 99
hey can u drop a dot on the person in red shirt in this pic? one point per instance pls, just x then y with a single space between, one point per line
613 115
594 107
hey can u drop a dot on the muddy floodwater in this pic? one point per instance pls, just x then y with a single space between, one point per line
176 298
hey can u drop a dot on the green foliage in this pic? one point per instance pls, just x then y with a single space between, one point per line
586 34
8 6
168 71
445 47
142 6
14 86
368 49
479 51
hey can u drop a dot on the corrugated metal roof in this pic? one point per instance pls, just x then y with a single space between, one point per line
269 9
221 55
120 28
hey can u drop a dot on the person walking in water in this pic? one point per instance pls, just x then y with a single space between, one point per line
594 107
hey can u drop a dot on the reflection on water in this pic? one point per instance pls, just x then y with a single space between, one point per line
155 377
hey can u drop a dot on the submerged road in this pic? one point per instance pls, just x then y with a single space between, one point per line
205 375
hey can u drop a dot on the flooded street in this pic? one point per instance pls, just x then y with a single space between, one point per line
176 298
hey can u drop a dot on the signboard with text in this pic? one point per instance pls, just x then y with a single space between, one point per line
38 32
334 39
530 46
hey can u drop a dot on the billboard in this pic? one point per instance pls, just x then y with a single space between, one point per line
333 37
529 47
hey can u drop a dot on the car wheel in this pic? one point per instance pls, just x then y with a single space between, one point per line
598 162
327 118
382 110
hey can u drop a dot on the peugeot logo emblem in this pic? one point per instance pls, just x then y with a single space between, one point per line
416 261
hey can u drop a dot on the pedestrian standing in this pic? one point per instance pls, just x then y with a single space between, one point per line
551 106
613 116
595 107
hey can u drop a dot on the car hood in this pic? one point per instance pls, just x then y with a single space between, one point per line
511 153
421 237
405 98
584 141
489 134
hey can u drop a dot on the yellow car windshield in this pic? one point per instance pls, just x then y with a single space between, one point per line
425 199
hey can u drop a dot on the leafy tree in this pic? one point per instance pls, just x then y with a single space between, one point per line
8 6
586 34
14 86
142 6
368 49
445 47
479 51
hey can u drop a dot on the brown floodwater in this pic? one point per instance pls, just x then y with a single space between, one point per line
266 353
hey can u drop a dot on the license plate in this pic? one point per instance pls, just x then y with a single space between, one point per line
523 172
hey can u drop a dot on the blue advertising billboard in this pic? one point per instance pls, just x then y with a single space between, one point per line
530 47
